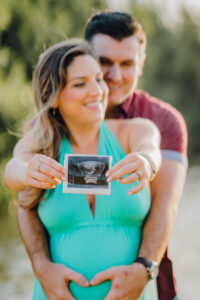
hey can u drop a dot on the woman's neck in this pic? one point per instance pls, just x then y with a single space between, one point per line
84 139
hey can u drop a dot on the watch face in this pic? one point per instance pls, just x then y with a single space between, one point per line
151 267
154 270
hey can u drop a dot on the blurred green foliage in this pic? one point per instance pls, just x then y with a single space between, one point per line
172 70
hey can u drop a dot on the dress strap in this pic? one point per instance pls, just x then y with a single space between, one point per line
108 144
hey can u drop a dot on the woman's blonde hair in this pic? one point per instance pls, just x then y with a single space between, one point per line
48 81
46 130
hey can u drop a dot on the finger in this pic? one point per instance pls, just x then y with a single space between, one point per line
51 172
112 295
68 296
102 276
130 179
77 277
139 187
130 158
51 162
44 178
40 185
63 295
126 169
115 292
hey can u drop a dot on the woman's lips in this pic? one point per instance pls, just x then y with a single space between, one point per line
96 104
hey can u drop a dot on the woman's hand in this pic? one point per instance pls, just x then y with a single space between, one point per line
43 172
136 167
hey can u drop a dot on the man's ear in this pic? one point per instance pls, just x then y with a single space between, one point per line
142 61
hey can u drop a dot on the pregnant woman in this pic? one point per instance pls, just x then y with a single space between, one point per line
87 233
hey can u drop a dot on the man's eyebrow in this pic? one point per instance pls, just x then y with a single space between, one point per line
103 58
106 59
130 60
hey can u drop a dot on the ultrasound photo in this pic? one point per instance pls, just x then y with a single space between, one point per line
86 174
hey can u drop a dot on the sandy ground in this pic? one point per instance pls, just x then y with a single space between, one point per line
185 241
16 278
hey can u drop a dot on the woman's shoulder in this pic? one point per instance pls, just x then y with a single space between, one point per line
123 129
130 131
118 125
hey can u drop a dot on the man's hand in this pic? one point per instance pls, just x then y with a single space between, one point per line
128 282
54 279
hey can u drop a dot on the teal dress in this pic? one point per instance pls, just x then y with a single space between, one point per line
90 244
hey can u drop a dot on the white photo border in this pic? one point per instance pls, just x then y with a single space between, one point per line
82 190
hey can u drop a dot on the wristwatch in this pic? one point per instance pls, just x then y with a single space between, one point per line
151 267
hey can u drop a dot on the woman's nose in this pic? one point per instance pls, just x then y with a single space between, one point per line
96 89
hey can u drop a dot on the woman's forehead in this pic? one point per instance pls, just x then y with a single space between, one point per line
83 66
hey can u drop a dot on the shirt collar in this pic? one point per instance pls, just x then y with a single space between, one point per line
127 104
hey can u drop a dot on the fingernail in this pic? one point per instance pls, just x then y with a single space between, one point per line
109 179
53 187
129 193
107 174
92 281
64 178
86 282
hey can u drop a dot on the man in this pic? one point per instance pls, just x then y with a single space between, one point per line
120 42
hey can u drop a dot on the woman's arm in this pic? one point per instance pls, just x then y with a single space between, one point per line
144 136
27 169
15 171
140 139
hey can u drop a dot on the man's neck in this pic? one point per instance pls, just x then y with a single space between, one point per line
111 112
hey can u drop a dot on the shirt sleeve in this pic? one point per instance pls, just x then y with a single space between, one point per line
173 130
169 120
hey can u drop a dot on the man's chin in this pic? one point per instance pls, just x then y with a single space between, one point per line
114 101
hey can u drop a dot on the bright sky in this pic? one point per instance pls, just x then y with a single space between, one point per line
169 9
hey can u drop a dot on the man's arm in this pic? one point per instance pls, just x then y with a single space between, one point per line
166 190
53 277
128 282
34 236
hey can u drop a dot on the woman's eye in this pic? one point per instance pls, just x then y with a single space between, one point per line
79 84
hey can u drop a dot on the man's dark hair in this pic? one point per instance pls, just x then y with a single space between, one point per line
117 25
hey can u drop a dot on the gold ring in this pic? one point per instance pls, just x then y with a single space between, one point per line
138 175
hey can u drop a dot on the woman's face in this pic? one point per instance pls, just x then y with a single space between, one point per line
84 98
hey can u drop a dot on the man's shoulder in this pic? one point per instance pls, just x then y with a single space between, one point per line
143 101
142 104
168 119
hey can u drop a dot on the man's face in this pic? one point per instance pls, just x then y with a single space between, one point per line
121 63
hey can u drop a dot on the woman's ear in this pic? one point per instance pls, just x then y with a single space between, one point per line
55 104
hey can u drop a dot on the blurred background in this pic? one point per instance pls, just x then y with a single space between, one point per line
172 73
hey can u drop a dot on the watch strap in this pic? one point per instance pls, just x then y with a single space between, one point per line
144 261
149 265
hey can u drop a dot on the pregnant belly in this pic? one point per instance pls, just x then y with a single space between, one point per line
90 250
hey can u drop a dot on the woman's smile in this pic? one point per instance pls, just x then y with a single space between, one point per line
94 105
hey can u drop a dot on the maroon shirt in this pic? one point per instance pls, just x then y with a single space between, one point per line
174 146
